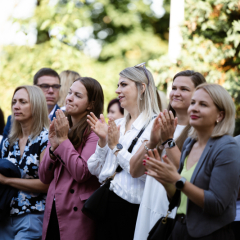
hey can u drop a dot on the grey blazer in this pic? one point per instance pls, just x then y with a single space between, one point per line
218 174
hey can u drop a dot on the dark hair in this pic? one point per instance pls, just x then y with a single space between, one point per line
197 79
115 100
80 132
2 122
45 72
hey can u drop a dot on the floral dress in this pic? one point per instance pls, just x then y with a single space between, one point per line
27 202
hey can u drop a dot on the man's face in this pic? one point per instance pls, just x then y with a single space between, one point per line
51 94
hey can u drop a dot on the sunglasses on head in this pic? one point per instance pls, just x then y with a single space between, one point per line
142 65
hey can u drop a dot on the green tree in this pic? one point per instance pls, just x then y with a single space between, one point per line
127 32
211 45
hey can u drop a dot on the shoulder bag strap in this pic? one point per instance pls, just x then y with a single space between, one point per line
134 141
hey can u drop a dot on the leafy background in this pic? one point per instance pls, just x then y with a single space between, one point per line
128 33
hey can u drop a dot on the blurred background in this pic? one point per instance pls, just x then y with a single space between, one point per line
99 38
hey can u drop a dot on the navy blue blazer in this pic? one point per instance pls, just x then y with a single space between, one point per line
218 174
8 169
54 114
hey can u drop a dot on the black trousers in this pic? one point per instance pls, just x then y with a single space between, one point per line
236 229
53 227
120 220
180 232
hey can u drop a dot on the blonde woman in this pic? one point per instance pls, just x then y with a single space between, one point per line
138 95
25 148
154 202
207 181
67 78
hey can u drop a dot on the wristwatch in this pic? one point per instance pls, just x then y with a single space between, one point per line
180 183
117 148
170 144
167 144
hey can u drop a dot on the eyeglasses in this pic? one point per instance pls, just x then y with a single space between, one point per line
45 87
144 69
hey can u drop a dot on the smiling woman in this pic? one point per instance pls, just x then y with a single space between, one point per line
169 131
25 148
64 166
207 181
138 95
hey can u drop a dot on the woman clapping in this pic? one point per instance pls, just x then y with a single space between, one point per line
138 95
207 181
64 165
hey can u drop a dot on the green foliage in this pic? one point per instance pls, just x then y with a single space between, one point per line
211 45
127 31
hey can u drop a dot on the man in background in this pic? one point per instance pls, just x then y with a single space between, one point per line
49 81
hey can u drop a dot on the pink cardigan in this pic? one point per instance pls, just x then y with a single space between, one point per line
71 183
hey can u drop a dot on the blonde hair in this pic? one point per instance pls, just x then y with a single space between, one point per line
223 102
148 102
39 112
67 78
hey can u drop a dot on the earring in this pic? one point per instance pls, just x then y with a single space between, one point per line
217 121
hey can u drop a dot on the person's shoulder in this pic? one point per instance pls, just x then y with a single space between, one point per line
119 121
224 139
44 131
93 135
225 142
56 107
44 135
9 118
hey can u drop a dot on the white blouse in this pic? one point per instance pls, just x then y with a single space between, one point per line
154 203
103 163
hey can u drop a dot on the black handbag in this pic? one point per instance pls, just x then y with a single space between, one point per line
96 205
164 226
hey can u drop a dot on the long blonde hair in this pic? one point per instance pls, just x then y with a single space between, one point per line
67 78
149 101
39 112
223 102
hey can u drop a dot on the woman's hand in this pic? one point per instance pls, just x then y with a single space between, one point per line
52 136
113 134
155 133
167 124
61 126
100 127
164 172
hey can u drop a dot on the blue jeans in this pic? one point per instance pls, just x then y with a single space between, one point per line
27 226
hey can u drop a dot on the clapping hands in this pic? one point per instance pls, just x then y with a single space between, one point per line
58 130
163 128
113 133
107 133
163 171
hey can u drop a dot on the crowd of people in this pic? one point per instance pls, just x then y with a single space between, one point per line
57 149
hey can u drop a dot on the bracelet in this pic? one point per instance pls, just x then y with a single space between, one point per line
145 146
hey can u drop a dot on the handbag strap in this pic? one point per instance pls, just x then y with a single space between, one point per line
134 141
175 201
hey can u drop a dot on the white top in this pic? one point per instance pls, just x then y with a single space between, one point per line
103 162
154 203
